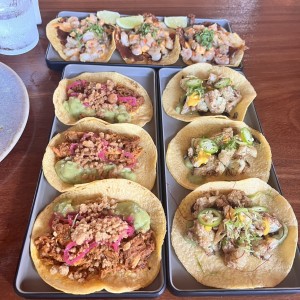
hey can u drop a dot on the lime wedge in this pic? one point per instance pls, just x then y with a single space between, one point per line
109 17
130 22
175 22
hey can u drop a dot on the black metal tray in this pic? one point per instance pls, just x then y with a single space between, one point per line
180 282
54 61
28 283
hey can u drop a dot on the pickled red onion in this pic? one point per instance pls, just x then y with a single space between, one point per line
71 262
130 100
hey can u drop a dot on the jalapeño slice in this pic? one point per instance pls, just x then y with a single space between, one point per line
209 217
209 146
246 136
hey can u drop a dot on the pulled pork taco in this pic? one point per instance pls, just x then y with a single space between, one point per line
91 150
86 40
235 234
103 235
151 42
109 96
206 90
212 149
210 42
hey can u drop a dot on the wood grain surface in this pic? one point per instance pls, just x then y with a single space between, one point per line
272 64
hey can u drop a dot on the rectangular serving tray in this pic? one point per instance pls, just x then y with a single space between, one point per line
28 283
54 61
180 282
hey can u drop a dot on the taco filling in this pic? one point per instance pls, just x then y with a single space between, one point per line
229 152
151 40
209 43
88 156
96 239
215 95
111 102
228 225
88 39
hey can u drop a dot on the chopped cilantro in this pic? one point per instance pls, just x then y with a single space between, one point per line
96 29
205 38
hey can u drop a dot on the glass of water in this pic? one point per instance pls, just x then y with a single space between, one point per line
18 29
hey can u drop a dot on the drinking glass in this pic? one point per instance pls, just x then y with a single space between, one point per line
18 29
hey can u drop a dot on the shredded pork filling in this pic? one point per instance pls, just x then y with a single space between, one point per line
97 150
240 230
94 242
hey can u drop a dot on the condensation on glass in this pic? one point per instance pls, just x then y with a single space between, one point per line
18 29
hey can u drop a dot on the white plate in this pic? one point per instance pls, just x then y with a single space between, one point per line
14 109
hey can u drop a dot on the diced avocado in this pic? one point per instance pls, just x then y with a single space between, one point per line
141 219
123 117
75 107
188 163
109 116
193 83
128 174
71 172
64 207
223 82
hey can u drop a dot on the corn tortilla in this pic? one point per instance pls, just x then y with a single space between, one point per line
173 92
51 32
211 270
140 117
120 190
206 127
145 172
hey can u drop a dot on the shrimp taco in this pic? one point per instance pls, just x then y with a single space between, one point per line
210 42
151 43
235 234
213 149
87 40
91 151
104 235
109 96
206 90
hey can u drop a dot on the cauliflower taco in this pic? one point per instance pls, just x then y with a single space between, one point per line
213 149
210 42
87 40
109 96
150 42
206 90
103 235
235 235
91 150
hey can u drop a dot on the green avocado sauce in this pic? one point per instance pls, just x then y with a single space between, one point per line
70 172
141 219
76 109
64 207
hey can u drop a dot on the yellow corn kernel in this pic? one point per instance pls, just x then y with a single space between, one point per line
202 158
241 217
207 228
267 226
193 99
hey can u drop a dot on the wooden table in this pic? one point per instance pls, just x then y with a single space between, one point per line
272 64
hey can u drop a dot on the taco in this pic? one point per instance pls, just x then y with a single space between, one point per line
87 40
109 96
91 151
235 235
206 90
149 43
210 42
212 149
104 235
